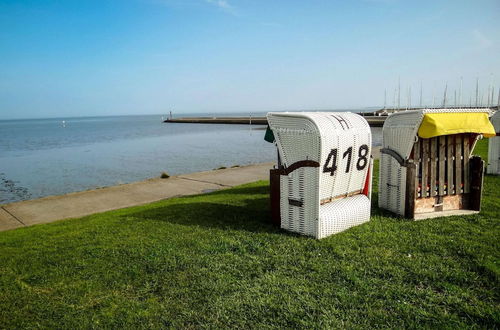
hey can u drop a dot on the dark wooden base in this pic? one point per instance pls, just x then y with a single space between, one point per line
274 182
442 203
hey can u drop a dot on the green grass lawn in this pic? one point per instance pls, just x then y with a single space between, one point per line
215 261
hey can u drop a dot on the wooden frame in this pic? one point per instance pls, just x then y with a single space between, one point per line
442 178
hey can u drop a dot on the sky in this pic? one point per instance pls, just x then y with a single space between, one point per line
86 58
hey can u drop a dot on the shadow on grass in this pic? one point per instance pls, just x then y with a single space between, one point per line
377 211
252 214
255 190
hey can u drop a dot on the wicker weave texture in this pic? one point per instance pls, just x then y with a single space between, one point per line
300 132
299 219
392 185
343 214
494 147
341 144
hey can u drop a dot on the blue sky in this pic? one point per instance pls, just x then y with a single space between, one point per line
79 58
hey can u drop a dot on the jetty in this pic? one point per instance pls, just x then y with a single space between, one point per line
219 120
374 121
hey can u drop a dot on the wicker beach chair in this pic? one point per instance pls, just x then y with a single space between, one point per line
494 147
426 168
322 183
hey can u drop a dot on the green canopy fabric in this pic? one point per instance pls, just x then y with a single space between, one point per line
269 137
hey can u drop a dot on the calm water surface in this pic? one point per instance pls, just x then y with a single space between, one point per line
43 157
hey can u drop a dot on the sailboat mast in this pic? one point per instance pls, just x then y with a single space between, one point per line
420 94
492 94
409 97
490 100
444 97
460 94
394 100
399 92
477 92
433 93
488 96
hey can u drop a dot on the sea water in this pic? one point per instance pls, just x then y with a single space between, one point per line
43 157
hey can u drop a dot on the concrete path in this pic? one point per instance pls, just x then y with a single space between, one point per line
79 204
74 205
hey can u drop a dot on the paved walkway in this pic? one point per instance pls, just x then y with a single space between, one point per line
79 204
74 205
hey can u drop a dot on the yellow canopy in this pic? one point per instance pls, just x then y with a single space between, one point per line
447 123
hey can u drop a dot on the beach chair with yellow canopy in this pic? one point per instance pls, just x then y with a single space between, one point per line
426 166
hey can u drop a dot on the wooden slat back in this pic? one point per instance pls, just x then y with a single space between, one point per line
458 164
433 164
450 142
417 158
425 167
466 156
441 164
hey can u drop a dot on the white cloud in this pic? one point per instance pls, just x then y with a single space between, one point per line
223 5
220 3
481 39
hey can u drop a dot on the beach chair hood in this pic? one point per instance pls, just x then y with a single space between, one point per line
403 128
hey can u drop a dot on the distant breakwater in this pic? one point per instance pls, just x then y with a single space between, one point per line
374 121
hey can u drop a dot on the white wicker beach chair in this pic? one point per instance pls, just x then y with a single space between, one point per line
494 147
426 168
323 181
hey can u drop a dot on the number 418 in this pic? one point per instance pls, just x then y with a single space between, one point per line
332 159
